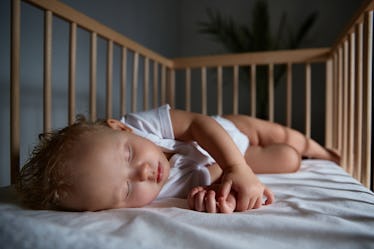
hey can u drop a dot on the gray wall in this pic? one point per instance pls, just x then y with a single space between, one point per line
169 27
333 16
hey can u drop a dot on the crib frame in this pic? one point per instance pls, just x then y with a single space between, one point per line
348 63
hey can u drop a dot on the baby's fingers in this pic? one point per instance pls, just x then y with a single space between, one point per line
269 196
191 196
225 207
210 202
200 201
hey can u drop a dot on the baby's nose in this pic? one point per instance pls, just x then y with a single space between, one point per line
145 172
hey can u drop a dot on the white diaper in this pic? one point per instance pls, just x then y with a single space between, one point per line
240 139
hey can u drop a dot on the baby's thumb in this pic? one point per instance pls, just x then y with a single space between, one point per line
269 196
225 189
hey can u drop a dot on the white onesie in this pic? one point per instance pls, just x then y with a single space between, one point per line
189 162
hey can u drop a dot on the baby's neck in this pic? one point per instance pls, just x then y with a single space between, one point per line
168 155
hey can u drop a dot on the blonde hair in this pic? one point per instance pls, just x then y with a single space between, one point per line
44 179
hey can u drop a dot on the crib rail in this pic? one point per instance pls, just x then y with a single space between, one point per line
252 60
161 69
350 96
347 67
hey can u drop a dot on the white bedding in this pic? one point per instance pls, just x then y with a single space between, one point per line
319 207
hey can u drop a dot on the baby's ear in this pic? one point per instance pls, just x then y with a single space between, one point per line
118 125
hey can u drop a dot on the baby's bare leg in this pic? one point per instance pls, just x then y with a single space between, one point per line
275 158
264 133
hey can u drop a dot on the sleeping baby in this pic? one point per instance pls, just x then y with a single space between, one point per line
161 153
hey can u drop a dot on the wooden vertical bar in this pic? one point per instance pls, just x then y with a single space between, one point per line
203 91
123 93
329 98
345 105
109 79
171 87
188 90
289 96
47 93
271 92
134 95
351 107
308 99
340 100
235 91
358 102
367 171
72 71
253 93
219 90
335 93
146 84
155 84
93 74
163 84
15 91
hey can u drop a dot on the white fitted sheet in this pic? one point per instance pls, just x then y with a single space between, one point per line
319 207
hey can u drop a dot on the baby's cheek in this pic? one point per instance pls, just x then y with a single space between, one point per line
145 196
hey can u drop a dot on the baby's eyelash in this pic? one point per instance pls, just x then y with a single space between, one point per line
128 189
130 153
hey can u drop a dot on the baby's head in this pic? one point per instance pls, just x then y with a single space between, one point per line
93 166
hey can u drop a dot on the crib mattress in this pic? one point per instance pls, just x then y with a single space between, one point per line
319 207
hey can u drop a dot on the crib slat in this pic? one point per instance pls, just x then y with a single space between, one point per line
123 94
271 92
93 73
253 90
15 92
72 71
135 82
334 94
146 84
351 90
219 90
308 99
340 101
345 105
358 102
163 84
329 104
187 90
47 98
235 91
155 84
203 91
367 99
171 87
289 96
109 79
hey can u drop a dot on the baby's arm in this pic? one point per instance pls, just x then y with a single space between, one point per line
237 175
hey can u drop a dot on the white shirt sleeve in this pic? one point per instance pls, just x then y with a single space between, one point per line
156 121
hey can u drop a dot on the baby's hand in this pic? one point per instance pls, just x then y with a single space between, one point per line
203 199
249 190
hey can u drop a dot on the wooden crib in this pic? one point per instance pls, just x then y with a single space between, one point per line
348 81
320 206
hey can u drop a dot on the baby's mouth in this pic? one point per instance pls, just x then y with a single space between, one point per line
160 172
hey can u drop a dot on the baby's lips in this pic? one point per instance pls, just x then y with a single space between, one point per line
160 173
